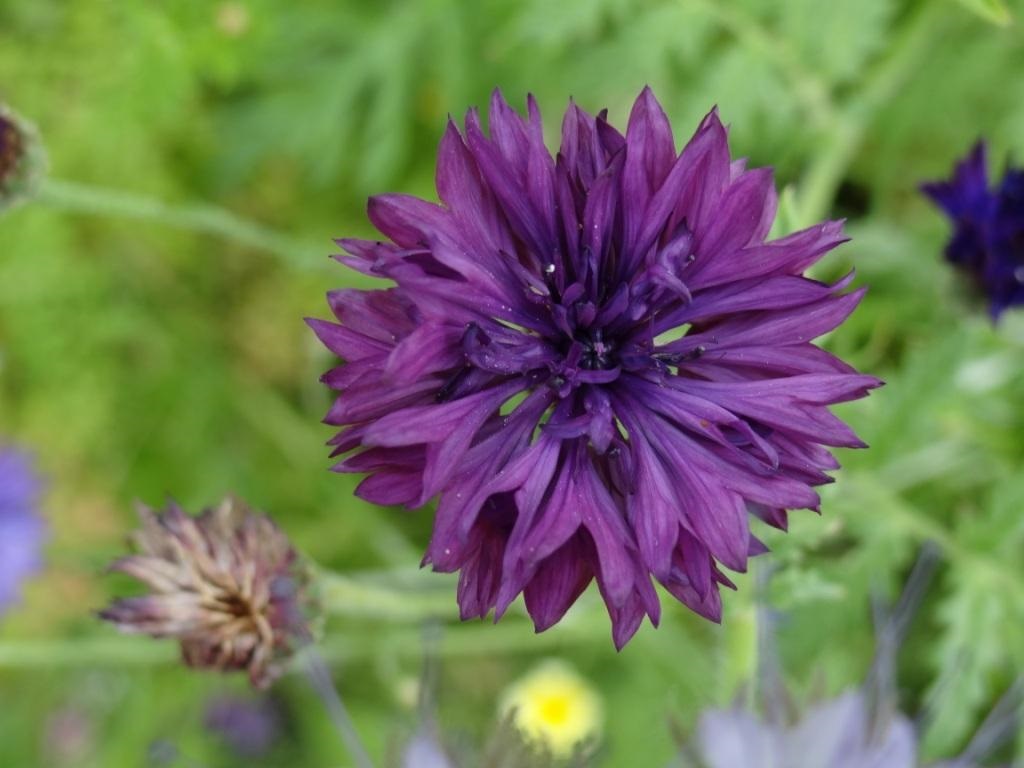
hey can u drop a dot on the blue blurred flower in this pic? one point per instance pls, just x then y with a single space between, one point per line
853 730
596 360
987 242
21 526
834 734
248 726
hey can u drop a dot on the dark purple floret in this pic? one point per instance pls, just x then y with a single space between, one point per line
594 361
987 242
21 527
1006 271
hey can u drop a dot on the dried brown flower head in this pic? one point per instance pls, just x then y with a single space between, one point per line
22 158
225 583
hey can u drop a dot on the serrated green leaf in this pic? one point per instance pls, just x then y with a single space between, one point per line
975 618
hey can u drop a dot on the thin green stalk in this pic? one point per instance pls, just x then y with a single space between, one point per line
106 651
86 199
348 646
417 600
320 679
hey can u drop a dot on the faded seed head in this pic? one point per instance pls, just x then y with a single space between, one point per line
226 583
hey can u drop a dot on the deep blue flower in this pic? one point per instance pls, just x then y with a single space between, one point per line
988 227
595 361
21 527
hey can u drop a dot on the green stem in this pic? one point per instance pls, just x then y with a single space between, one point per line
110 650
85 199
401 601
415 600
320 679
843 141
345 645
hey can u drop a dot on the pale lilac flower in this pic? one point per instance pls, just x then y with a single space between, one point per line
21 527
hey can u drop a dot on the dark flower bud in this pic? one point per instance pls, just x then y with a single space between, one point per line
22 158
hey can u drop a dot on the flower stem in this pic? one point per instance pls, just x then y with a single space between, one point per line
409 597
320 678
107 650
403 641
86 199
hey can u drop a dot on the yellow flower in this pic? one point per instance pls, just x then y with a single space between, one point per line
554 707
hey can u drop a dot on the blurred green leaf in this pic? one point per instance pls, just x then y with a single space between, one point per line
838 39
994 11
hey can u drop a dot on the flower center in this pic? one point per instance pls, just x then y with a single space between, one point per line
554 710
596 352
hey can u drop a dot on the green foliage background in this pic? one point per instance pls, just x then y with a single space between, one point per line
141 359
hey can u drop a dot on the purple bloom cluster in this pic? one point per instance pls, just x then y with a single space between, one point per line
21 527
595 361
988 227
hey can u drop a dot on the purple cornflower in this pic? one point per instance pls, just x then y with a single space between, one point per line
595 361
21 527
988 227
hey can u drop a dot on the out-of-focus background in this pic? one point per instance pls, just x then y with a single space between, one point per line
141 359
